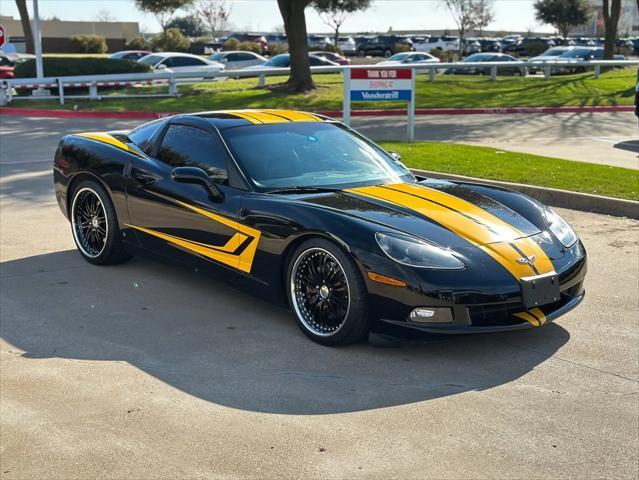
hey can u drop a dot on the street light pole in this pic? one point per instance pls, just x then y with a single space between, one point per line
37 40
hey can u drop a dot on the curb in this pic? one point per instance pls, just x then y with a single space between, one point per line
554 197
57 113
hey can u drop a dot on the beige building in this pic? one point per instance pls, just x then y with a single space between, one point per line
56 33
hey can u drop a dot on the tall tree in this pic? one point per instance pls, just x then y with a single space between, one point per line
26 25
215 14
564 15
484 15
300 79
334 12
611 12
463 12
189 25
162 9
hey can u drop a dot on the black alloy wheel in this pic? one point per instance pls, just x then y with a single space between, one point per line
327 293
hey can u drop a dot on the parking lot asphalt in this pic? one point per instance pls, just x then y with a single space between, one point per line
147 370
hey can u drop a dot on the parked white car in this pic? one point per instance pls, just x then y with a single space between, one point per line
235 60
180 63
409 58
445 42
347 45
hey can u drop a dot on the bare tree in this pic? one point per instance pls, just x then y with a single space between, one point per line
484 15
611 11
215 14
463 12
334 12
104 16
26 25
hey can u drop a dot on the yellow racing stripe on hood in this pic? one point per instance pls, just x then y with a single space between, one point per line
503 242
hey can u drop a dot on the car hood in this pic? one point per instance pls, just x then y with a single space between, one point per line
451 215
447 213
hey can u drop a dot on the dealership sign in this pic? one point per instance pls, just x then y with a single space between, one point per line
380 84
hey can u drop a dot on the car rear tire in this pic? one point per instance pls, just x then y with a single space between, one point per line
361 53
387 53
327 294
94 225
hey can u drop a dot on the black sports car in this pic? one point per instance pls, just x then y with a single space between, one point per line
300 209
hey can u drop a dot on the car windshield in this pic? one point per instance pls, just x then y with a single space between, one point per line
479 57
398 57
576 53
310 154
554 52
150 59
278 61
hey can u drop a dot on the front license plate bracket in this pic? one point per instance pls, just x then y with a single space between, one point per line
540 290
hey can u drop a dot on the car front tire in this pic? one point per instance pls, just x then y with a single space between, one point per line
327 294
94 225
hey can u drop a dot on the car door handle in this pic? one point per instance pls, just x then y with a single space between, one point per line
144 178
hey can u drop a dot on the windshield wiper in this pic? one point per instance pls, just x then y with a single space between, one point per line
304 190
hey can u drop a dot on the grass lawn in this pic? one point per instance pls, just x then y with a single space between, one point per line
490 163
612 88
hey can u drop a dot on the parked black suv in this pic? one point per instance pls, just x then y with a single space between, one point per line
383 45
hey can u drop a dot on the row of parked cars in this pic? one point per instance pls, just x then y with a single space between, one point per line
219 61
533 65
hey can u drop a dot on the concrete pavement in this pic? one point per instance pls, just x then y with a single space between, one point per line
605 138
146 370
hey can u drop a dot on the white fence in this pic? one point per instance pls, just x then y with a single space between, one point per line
9 87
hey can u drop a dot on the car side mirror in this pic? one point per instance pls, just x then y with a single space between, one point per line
161 67
396 156
199 176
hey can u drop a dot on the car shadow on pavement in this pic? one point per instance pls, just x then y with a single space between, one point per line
630 146
223 346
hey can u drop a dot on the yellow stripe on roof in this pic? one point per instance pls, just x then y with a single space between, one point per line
261 116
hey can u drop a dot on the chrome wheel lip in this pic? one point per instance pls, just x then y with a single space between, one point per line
74 225
294 299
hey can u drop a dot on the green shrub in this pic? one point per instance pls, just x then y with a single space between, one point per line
89 43
447 56
72 66
402 47
171 40
277 48
231 44
138 43
329 47
250 47
536 48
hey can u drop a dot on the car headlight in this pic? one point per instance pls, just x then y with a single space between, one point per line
560 228
415 252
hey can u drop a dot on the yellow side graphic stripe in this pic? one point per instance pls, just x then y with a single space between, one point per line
224 253
106 138
484 230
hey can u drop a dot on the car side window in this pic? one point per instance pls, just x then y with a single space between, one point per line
184 146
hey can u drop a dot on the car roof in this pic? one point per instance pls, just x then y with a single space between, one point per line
223 119
175 54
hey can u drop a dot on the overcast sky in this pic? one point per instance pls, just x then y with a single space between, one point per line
264 14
